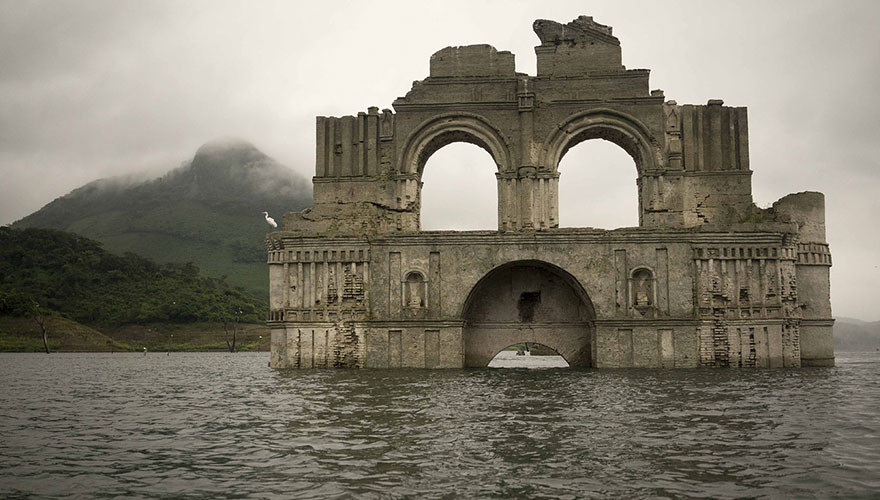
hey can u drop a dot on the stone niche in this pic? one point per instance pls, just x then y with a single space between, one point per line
707 279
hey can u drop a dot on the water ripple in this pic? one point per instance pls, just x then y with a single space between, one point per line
222 425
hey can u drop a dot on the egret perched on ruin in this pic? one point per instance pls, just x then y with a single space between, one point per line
269 220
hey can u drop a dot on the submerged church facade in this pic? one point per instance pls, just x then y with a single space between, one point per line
707 279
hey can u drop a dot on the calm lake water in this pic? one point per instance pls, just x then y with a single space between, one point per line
207 425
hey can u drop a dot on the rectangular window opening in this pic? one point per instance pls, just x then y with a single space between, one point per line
528 302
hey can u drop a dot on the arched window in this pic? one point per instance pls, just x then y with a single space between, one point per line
459 189
597 186
415 290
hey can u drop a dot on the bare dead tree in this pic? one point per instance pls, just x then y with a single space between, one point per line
41 320
226 331
234 323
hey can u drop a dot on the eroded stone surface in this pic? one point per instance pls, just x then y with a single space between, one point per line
707 279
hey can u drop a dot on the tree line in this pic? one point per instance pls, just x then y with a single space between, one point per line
73 276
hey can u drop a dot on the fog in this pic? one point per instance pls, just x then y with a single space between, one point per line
97 89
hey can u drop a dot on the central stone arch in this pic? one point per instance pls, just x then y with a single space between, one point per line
439 131
447 128
617 127
528 301
626 131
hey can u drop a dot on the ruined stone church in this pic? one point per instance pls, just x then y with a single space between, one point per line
707 279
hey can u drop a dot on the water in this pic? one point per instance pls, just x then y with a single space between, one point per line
224 425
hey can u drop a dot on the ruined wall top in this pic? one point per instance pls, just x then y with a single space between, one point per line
567 50
576 48
580 31
691 162
472 60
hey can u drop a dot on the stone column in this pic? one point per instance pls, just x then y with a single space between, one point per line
528 185
508 214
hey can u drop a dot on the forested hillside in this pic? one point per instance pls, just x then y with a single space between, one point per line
73 276
208 211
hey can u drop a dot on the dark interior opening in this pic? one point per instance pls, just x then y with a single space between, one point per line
528 302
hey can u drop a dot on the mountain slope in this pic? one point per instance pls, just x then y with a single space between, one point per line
208 211
856 335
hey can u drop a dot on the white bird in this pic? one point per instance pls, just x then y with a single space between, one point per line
269 220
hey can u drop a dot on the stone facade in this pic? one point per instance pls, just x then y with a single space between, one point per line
707 279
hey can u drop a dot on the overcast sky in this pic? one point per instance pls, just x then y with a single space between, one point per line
93 89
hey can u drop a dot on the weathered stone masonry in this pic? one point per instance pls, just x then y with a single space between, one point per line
707 279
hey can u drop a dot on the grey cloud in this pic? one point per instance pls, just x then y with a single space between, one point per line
92 89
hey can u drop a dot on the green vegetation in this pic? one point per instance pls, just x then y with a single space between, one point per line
75 278
22 334
177 256
208 212
189 337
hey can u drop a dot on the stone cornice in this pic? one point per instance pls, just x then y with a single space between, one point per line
613 100
409 323
648 322
456 106
548 237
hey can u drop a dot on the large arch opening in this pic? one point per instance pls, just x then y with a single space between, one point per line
459 189
598 186
627 132
457 175
528 301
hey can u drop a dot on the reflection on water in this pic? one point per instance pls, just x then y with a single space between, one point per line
225 425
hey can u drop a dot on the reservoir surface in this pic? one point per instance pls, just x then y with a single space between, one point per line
219 425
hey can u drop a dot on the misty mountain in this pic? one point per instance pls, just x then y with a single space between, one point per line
208 211
856 335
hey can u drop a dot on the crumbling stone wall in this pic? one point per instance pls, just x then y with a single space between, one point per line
707 279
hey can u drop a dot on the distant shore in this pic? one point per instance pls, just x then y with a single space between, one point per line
22 334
